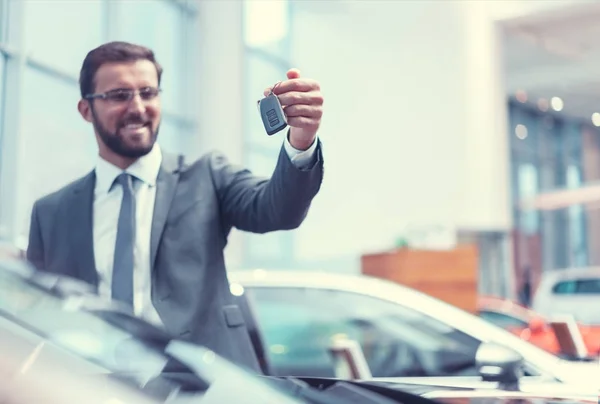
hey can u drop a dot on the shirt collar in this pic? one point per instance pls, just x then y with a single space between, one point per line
145 168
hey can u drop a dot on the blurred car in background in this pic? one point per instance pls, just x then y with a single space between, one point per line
532 326
573 292
406 336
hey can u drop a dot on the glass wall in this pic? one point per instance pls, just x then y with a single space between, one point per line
44 44
2 79
266 59
547 155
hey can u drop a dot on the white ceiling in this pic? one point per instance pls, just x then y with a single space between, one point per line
556 54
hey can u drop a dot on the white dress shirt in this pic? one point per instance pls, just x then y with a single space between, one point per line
107 205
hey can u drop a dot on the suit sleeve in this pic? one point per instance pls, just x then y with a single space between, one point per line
35 247
261 205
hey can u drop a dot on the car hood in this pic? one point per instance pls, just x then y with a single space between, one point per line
584 374
219 374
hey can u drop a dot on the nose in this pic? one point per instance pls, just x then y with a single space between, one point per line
136 104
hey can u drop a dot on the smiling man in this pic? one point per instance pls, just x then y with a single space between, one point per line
148 228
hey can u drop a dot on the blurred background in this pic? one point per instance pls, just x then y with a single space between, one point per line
447 123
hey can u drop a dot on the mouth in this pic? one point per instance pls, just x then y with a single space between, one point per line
132 129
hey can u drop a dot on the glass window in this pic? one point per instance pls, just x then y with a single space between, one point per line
2 62
502 320
581 286
588 286
51 25
528 188
576 218
524 128
161 26
298 326
267 26
56 144
573 143
4 24
2 112
261 74
564 288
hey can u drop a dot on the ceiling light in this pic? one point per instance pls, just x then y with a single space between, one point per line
596 119
521 96
543 104
557 103
521 131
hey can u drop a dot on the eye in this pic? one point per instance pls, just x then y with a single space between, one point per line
148 93
119 95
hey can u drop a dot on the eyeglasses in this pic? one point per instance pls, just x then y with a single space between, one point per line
125 94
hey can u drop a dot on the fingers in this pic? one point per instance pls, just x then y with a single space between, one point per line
301 99
304 122
293 73
307 98
301 85
303 110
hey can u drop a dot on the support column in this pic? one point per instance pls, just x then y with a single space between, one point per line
486 194
218 95
219 77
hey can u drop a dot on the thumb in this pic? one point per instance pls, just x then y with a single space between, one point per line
293 73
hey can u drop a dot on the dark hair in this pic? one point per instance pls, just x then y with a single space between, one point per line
111 52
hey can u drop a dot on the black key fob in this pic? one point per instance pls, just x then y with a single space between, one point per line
272 114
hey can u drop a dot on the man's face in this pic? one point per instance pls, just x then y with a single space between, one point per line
128 127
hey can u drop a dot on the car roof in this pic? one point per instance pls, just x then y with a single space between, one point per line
571 274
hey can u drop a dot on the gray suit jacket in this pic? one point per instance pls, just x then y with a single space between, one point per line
196 207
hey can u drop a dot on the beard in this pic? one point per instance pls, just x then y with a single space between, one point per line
118 144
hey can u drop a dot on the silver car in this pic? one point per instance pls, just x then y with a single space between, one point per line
406 336
573 292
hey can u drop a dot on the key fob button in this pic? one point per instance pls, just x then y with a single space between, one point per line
273 117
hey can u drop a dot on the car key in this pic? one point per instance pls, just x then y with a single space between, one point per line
272 114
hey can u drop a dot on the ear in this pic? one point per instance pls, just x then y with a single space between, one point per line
85 109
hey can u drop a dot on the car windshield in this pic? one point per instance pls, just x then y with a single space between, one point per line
396 341
87 335
386 319
128 349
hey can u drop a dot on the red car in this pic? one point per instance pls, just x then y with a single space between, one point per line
530 325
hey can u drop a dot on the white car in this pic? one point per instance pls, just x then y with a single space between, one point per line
573 292
405 335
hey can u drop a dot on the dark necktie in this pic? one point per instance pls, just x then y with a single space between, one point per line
122 278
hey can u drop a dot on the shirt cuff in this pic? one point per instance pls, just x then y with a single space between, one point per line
301 158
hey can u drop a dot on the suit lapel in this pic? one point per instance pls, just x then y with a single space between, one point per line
80 217
166 185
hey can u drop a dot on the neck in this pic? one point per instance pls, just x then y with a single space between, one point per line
117 160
